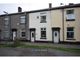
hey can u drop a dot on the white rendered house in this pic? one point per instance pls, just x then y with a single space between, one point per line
40 26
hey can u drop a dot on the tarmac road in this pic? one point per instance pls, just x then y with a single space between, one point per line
34 52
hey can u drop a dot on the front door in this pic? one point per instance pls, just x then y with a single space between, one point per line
32 36
14 35
56 36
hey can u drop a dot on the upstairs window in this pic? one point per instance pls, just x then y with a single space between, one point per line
70 11
43 19
6 21
22 19
70 15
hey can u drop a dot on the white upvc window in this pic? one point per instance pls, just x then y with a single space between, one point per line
70 32
6 33
6 20
22 19
43 19
70 15
43 33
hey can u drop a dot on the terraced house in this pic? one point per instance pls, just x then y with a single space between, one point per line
15 25
54 24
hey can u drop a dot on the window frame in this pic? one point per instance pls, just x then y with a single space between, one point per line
6 34
70 16
43 30
23 17
43 18
6 21
22 34
71 32
70 11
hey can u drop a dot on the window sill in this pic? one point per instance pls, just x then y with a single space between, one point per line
43 22
22 23
43 38
22 36
70 19
70 39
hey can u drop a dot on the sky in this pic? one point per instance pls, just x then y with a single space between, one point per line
11 6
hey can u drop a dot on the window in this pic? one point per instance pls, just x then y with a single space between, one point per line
22 19
6 20
6 34
70 11
43 19
43 33
6 27
23 34
70 32
70 15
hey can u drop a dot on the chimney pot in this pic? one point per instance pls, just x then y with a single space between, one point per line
61 3
19 9
50 5
71 3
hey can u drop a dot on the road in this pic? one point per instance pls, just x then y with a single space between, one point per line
34 52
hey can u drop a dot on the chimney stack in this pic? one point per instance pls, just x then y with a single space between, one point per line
50 5
61 4
19 9
71 3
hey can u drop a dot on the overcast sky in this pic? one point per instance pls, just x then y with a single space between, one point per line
10 6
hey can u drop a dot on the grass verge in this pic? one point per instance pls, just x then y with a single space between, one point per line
76 50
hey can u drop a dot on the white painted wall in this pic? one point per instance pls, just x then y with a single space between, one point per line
34 22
